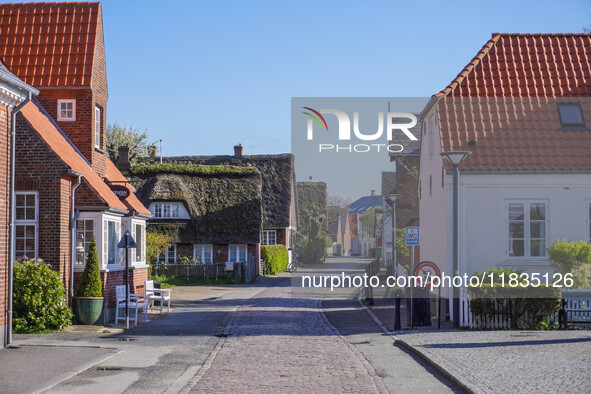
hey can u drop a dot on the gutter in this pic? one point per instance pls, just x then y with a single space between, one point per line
11 204
74 216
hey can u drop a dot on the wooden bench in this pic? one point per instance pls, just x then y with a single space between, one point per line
136 302
161 295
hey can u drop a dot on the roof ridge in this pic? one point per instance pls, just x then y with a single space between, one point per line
470 66
541 34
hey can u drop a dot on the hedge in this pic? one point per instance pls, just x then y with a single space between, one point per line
275 257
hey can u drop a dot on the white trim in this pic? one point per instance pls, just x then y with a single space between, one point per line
527 229
238 246
166 260
97 126
59 110
265 240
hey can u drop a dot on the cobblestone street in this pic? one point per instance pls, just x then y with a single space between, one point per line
277 342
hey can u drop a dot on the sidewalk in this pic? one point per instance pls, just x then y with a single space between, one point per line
155 356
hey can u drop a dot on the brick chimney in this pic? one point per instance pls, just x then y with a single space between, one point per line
123 159
238 150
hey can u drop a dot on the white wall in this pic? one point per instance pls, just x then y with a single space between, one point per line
483 216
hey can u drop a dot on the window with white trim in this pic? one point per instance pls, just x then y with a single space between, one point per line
111 237
140 239
269 237
66 110
168 256
527 228
167 210
84 236
203 253
97 127
26 223
237 253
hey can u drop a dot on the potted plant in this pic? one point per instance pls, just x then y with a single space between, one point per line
88 303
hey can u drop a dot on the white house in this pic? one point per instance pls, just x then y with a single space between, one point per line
522 106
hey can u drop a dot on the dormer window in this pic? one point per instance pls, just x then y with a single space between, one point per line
66 110
167 210
571 115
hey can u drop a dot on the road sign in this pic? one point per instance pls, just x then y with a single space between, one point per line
412 236
127 241
426 271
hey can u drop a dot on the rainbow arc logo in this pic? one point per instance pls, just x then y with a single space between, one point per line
315 118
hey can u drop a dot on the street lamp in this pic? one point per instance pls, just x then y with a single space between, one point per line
456 158
391 200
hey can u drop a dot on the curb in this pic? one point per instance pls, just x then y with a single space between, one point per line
70 374
454 379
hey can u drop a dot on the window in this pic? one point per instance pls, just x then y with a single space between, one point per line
203 253
26 222
527 229
571 114
168 256
269 237
140 240
97 127
238 253
66 110
167 210
84 236
111 236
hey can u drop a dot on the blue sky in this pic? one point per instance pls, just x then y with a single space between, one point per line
205 75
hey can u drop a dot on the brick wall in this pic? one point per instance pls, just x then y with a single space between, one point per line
4 210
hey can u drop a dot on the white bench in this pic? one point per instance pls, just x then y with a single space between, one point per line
136 302
161 295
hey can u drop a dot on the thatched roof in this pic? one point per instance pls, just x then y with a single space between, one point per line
278 181
224 202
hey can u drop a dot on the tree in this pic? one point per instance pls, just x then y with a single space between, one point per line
156 243
140 151
574 258
91 285
336 206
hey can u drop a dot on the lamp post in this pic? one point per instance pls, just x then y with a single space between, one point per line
456 158
309 213
391 200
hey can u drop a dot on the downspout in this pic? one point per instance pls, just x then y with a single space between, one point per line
11 250
74 216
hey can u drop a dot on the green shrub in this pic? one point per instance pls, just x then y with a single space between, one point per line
572 257
523 306
38 298
91 285
275 257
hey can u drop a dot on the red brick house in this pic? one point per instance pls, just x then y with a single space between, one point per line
13 93
63 176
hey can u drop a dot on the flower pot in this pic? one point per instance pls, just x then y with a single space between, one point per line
87 309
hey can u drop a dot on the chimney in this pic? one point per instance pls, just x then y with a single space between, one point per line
373 193
123 159
238 150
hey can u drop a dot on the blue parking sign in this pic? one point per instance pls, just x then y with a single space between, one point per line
412 236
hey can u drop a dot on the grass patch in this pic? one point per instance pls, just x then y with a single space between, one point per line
171 281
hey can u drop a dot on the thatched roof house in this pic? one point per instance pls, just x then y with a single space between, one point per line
223 201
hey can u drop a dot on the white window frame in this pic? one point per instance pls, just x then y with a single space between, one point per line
164 210
105 242
166 255
97 127
140 241
84 240
266 237
237 247
27 222
203 247
59 110
527 229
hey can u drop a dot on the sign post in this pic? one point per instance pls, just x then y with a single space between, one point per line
428 271
412 239
127 242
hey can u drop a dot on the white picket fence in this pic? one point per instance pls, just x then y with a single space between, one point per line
578 303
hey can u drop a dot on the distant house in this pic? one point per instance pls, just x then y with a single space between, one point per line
278 190
213 212
63 177
522 106
364 236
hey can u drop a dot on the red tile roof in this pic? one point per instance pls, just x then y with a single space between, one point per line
503 105
49 44
68 154
115 176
